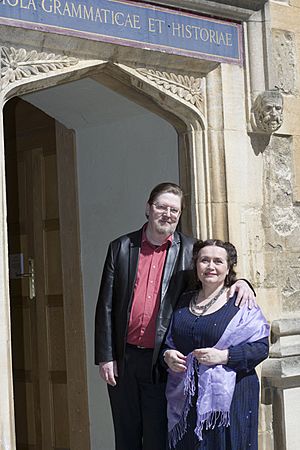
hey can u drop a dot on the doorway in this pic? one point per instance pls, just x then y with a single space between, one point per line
51 410
122 151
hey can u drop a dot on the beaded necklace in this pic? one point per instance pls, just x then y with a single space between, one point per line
199 310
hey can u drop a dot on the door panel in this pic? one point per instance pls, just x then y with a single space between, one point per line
40 326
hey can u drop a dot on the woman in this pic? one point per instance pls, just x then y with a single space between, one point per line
211 350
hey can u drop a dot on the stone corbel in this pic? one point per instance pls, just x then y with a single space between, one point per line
267 112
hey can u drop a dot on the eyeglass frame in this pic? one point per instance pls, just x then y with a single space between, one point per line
174 212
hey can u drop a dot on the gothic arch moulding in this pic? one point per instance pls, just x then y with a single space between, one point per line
178 97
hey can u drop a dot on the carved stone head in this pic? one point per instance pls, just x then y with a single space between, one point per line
268 111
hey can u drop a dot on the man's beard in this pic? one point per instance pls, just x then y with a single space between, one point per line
166 229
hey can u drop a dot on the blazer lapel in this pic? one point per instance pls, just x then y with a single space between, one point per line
134 253
170 264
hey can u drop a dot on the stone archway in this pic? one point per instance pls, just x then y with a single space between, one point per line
181 99
189 103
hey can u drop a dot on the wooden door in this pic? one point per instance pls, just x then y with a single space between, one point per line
51 409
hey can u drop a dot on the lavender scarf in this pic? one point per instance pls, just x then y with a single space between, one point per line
216 384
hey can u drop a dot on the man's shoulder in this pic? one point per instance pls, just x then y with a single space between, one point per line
132 236
135 237
184 239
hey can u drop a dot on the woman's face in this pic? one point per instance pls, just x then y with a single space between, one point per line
212 265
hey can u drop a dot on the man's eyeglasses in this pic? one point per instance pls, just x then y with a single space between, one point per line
174 212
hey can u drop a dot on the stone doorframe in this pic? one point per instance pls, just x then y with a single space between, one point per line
193 104
181 99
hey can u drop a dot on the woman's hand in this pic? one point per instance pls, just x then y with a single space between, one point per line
244 294
211 356
175 360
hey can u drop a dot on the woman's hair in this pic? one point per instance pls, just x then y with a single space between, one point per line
164 188
231 258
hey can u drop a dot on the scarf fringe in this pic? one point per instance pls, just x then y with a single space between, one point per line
210 420
177 432
189 382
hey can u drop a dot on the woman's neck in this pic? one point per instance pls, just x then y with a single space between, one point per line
207 292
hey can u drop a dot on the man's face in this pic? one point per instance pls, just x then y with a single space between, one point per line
164 213
271 114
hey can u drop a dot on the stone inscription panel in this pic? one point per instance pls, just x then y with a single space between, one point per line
130 23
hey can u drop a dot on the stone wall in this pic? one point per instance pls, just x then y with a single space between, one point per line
281 209
281 226
281 222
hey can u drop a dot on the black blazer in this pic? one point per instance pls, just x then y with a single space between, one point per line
116 293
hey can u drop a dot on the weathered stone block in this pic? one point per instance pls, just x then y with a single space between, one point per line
286 346
292 414
284 60
280 370
273 274
279 208
295 3
286 327
296 160
291 303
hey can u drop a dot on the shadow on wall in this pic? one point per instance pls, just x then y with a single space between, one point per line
259 142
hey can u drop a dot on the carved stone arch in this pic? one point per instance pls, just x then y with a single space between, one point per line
189 102
177 97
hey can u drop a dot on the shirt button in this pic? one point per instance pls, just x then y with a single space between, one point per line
149 296
154 267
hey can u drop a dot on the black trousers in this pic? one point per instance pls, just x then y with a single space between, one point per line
139 407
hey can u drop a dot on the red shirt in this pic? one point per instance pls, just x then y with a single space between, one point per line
146 296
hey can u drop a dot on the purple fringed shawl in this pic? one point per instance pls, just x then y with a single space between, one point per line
215 383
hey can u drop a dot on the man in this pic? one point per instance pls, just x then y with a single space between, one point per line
144 274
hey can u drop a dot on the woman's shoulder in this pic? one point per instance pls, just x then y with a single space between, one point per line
185 298
231 301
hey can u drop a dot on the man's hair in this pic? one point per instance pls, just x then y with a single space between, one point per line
166 188
231 258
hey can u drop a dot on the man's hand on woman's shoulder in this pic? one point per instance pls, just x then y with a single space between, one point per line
245 294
